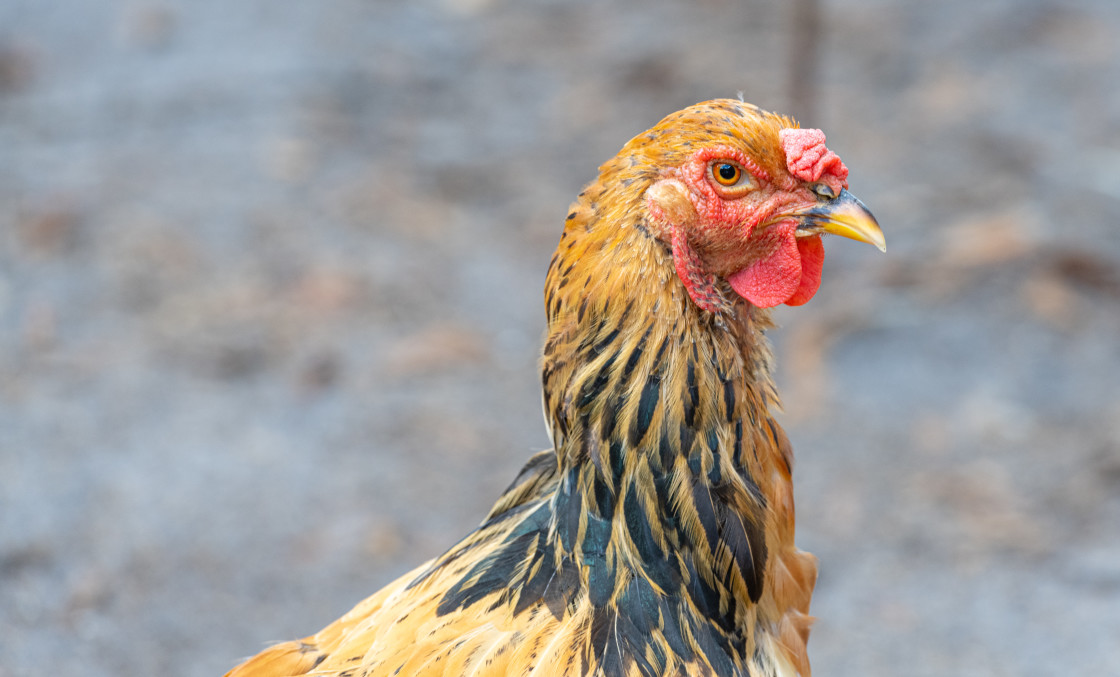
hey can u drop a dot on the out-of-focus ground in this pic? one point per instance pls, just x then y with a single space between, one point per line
270 307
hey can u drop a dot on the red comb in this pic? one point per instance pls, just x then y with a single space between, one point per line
807 157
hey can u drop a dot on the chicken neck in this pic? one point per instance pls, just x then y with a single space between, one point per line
674 478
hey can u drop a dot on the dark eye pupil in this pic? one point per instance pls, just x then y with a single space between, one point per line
727 172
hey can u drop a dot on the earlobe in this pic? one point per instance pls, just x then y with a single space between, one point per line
669 208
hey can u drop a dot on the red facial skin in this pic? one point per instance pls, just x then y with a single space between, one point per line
732 234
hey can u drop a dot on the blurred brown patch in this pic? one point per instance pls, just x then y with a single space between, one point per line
148 25
1087 271
91 589
1063 285
320 372
435 349
989 240
49 232
1051 299
326 290
17 68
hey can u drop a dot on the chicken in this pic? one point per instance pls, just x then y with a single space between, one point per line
657 537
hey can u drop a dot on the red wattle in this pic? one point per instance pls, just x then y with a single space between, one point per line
773 279
812 263
790 275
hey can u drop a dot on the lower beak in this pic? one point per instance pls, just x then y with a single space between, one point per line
843 215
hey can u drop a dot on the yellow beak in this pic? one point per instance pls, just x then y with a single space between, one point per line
843 215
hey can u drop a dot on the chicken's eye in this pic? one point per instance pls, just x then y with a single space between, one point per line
729 179
726 174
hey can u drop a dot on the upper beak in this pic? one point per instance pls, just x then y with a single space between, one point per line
843 215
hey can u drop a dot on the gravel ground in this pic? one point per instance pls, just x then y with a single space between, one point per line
270 307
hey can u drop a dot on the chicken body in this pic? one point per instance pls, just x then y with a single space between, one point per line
657 537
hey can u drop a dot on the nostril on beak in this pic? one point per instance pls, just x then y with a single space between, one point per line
822 190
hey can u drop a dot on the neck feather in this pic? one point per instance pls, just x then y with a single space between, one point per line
670 463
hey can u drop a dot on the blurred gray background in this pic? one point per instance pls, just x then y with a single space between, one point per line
270 309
